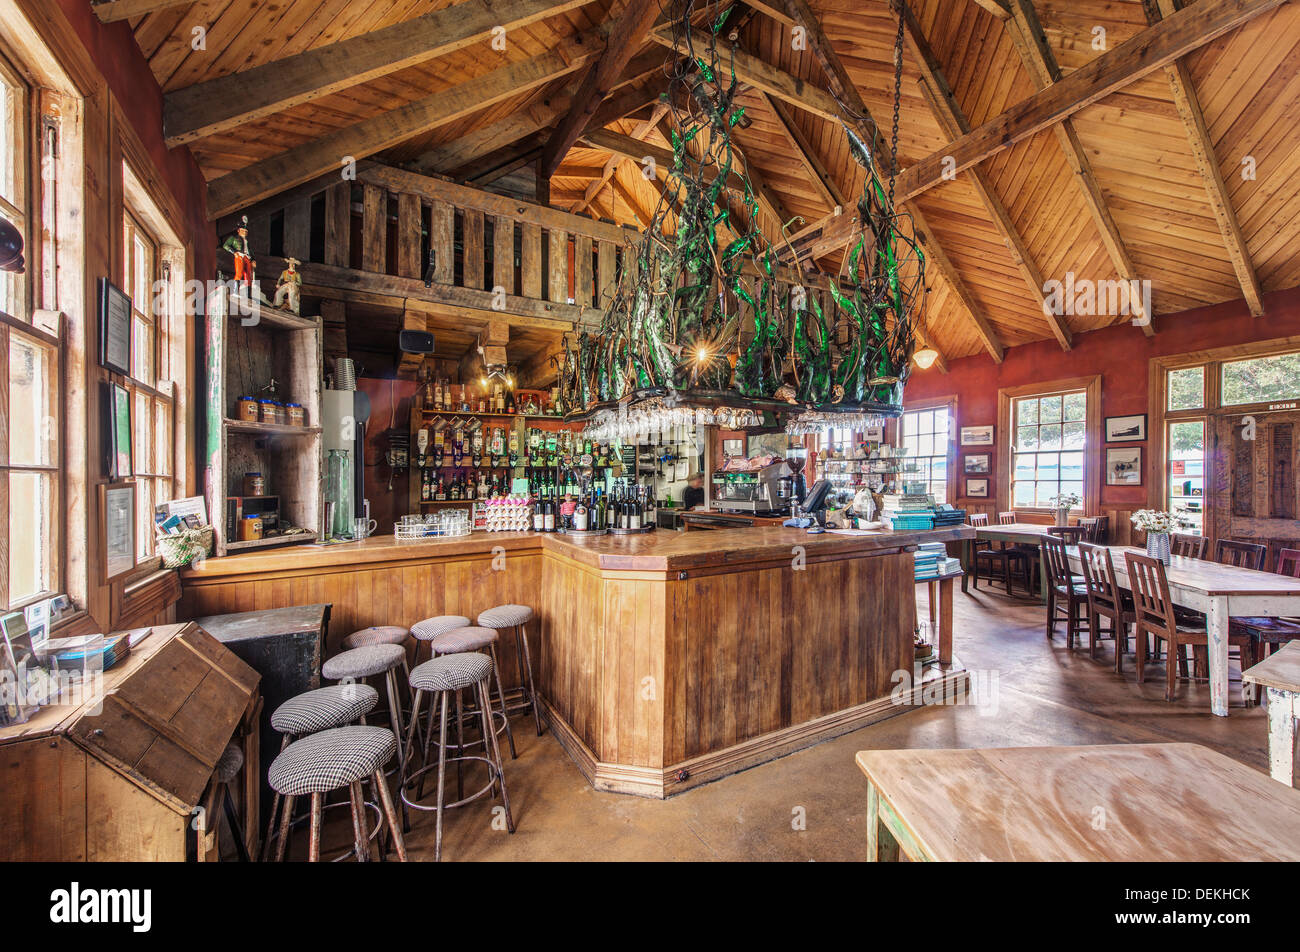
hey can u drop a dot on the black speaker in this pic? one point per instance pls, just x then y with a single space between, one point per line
415 342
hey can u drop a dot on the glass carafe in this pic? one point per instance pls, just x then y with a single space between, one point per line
338 490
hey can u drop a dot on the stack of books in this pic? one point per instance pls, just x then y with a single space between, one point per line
932 561
87 652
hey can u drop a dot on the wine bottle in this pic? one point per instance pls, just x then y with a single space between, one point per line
634 509
548 523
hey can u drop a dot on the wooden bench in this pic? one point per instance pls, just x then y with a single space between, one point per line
1279 675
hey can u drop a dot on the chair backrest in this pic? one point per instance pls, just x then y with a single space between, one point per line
1092 529
1150 587
978 519
1288 562
1246 555
1099 575
1188 546
1058 562
1070 535
1007 518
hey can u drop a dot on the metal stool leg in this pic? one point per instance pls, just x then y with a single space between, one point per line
521 642
485 703
501 697
442 776
460 747
395 712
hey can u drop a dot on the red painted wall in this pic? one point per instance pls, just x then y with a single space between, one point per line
1120 354
124 68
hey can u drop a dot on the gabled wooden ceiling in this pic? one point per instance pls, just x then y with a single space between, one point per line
1127 183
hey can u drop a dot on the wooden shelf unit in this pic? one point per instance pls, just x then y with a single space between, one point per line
248 346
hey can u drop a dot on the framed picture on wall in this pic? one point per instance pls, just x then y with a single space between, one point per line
114 327
1124 466
117 507
1126 429
977 488
977 436
979 465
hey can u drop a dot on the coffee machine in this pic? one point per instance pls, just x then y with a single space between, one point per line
767 491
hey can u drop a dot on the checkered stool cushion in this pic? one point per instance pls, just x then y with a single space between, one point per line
505 616
450 672
464 639
377 635
331 759
324 708
431 628
228 764
363 662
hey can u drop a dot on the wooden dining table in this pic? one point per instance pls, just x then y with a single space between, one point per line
1017 533
1221 592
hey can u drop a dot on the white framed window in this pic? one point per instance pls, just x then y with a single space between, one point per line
1048 443
926 436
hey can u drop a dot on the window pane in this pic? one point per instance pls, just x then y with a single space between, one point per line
1044 494
1186 465
1050 437
1187 388
1261 379
31 514
144 530
162 439
142 435
1050 409
925 445
1025 467
1075 407
32 429
1027 438
1023 494
1049 466
1072 468
1026 412
1072 436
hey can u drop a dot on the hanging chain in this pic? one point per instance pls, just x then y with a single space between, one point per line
898 93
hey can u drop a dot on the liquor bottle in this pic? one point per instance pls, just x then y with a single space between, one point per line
484 485
439 488
581 517
514 447
453 493
510 402
650 516
551 507
482 402
437 395
476 442
539 516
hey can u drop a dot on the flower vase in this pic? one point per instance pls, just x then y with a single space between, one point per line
1158 546
1063 516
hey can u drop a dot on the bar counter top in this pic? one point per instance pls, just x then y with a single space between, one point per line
658 551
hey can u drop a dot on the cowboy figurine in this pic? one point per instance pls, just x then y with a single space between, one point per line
237 244
288 285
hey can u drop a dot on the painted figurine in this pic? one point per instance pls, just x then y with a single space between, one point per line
289 285
237 244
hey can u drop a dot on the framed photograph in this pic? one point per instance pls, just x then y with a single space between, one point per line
1124 466
1126 429
114 327
979 465
977 436
977 488
733 447
117 503
117 432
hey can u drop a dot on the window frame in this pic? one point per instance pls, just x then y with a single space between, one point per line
953 490
1093 447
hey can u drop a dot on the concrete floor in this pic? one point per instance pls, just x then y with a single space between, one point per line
811 805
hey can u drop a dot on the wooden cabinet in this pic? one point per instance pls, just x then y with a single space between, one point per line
249 346
120 774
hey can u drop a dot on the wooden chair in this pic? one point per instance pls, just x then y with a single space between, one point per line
1062 584
999 561
1070 535
1154 616
1106 600
1188 546
1008 518
1246 555
1266 633
1096 529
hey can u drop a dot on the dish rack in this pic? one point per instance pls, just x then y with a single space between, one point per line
446 524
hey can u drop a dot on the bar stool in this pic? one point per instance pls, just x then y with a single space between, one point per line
431 628
331 760
313 711
472 639
357 664
377 635
516 617
440 677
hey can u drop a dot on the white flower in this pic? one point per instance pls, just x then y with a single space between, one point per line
1158 520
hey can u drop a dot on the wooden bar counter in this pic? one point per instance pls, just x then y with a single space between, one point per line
664 660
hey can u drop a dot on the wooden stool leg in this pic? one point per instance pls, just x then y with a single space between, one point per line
313 847
275 806
442 774
282 846
411 738
395 712
521 639
495 752
360 841
386 801
501 696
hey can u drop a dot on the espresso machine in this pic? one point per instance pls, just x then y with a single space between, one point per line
771 490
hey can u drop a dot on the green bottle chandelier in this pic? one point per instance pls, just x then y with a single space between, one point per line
708 323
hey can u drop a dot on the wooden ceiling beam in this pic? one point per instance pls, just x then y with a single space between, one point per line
110 11
998 8
803 147
983 327
625 38
226 102
365 138
643 129
637 151
1030 42
643 217
1198 136
952 119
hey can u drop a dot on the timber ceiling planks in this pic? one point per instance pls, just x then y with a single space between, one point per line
1247 82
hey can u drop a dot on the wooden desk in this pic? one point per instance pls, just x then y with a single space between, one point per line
1221 592
940 598
1128 802
1017 533
1279 675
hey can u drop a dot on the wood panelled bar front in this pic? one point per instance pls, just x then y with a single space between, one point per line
664 660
